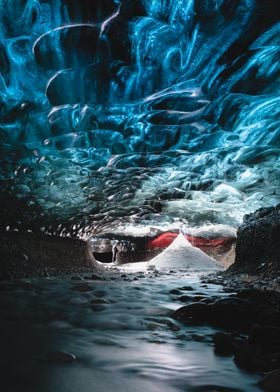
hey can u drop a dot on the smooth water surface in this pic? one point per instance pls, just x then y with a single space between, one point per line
120 330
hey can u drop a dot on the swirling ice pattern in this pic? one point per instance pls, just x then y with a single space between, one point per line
137 112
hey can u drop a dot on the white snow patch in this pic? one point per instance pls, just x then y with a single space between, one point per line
179 255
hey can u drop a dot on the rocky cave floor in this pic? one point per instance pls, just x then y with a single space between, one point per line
173 330
55 330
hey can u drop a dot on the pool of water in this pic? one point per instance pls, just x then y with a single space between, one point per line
120 331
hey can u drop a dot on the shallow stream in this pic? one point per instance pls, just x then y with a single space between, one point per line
120 331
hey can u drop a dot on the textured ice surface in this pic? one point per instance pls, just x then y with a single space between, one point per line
137 112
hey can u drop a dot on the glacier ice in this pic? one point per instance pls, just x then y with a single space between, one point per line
136 112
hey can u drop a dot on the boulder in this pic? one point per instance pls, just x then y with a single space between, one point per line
265 336
258 245
195 313
61 357
231 313
249 357
271 381
224 343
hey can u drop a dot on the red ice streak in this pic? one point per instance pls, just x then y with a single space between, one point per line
165 239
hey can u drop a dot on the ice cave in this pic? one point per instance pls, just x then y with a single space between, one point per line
140 195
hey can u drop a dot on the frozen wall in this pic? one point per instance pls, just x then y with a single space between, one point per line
137 112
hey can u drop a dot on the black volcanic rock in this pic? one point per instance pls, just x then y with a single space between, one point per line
265 336
28 254
230 313
271 381
240 312
224 343
249 357
258 245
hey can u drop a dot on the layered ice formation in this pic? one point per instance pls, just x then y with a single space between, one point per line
137 112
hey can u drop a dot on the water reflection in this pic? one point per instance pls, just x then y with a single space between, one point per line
120 330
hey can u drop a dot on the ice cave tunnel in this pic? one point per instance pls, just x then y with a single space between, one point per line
148 131
135 114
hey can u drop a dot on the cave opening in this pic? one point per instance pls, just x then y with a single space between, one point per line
140 195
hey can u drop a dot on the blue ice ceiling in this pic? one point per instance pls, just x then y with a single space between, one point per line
137 112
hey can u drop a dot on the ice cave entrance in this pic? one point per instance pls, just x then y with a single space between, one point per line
123 113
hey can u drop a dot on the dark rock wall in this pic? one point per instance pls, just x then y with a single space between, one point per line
258 241
28 254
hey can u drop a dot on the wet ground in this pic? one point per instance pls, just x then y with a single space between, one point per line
90 333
